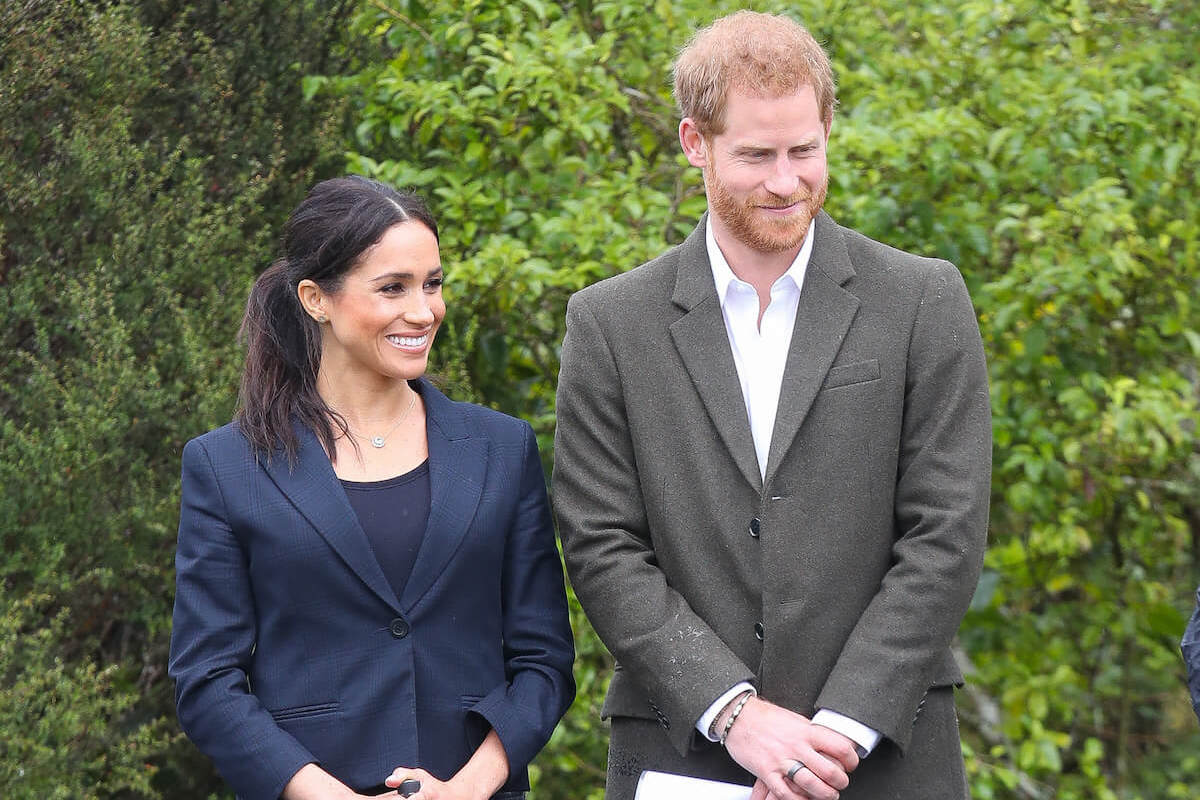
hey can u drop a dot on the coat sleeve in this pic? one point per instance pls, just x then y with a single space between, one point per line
1191 654
212 639
679 662
941 511
538 646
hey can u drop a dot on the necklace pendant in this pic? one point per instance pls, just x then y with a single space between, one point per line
377 441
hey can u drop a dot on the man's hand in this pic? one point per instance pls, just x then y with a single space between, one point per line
766 739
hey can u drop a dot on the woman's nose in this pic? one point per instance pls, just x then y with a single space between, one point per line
419 313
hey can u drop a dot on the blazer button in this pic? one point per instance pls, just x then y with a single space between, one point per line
758 631
755 527
399 627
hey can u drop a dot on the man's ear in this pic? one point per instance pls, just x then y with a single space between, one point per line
693 143
312 299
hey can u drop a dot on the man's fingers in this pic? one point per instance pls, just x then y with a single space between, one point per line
836 746
782 789
824 770
804 785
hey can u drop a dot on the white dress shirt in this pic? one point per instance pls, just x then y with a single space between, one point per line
760 355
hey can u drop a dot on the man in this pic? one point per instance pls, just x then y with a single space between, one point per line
1190 645
772 464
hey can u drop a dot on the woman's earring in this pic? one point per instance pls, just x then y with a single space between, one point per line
322 319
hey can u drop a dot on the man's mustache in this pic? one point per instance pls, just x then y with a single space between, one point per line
776 201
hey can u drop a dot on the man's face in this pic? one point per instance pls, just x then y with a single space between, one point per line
766 175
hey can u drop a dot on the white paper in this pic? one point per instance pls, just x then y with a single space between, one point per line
666 786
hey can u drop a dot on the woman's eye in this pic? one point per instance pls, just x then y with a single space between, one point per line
434 283
392 288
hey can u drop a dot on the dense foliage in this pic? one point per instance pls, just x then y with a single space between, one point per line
149 151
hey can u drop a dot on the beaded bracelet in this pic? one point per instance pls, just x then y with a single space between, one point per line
733 716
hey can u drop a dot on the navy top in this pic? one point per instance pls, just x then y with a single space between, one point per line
393 513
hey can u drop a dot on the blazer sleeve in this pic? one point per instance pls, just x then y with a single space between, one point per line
941 511
1191 655
539 649
650 628
212 638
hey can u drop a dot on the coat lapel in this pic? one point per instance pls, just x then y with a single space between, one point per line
703 344
823 316
314 490
457 469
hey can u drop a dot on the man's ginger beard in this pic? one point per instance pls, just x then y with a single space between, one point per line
758 231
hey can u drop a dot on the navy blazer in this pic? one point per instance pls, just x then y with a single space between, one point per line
289 645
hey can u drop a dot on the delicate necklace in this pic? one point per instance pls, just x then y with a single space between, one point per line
381 440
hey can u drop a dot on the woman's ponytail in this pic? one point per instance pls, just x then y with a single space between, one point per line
282 352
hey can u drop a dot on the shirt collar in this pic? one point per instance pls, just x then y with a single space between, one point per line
723 275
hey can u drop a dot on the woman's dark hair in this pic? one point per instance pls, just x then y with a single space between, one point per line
324 238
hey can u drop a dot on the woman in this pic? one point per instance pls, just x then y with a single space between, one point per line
367 587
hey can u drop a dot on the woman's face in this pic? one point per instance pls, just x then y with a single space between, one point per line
383 318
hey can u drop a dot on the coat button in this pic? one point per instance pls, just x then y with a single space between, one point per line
755 527
758 631
399 627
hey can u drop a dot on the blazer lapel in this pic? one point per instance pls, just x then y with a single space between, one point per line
457 469
314 490
823 316
703 344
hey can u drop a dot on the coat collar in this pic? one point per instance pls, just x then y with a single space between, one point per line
694 283
823 316
458 462
457 467
703 344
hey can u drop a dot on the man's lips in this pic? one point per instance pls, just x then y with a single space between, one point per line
787 209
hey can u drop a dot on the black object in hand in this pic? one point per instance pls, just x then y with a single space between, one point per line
409 787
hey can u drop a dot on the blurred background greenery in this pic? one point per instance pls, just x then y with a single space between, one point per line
150 151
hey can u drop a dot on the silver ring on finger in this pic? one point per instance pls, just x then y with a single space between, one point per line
794 768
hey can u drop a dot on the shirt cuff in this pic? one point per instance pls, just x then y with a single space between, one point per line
706 719
865 738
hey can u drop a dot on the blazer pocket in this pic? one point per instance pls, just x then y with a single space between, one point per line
850 374
300 712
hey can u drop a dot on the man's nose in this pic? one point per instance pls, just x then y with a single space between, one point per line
783 180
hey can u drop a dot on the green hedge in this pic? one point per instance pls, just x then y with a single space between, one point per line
148 155
149 152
